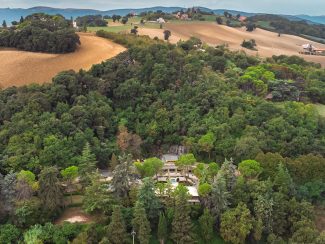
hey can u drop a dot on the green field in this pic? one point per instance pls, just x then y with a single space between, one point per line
123 28
265 25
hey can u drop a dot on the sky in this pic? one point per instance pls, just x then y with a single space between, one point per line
311 7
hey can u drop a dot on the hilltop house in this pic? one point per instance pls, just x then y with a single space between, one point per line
175 175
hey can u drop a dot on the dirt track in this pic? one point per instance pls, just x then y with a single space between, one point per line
268 43
20 67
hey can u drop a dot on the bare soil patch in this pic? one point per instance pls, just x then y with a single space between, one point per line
268 43
74 215
20 68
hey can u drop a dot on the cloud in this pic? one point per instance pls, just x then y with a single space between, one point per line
314 7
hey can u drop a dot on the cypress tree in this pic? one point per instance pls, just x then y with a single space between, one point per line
182 224
87 164
206 225
116 229
141 224
4 24
162 229
50 191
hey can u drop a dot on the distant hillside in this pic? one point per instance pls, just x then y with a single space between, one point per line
10 14
316 19
15 13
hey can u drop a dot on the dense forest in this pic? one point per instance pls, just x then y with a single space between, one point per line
286 26
253 118
41 33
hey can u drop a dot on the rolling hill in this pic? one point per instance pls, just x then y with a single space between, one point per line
268 43
10 14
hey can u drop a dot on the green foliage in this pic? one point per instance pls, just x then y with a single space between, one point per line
149 200
116 229
91 21
50 191
206 225
97 199
9 234
141 224
236 224
250 168
70 173
250 44
42 33
204 189
162 230
149 167
182 225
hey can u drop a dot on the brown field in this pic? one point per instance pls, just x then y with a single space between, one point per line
268 43
20 67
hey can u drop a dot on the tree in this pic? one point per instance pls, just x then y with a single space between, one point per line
128 142
147 197
206 225
121 178
21 19
182 224
9 192
34 235
206 143
114 161
283 181
228 172
50 192
87 164
162 229
9 234
250 26
125 20
4 24
134 30
219 20
69 175
305 232
185 161
219 199
236 224
141 224
167 34
250 168
97 199
149 167
116 229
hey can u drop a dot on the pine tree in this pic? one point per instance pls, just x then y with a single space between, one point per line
162 229
114 162
87 164
228 171
182 225
147 197
21 19
50 192
219 199
116 229
121 178
8 192
4 24
206 225
283 181
141 224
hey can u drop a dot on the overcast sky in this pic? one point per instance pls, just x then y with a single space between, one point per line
312 7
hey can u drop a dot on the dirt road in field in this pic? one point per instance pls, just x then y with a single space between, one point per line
19 68
268 43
